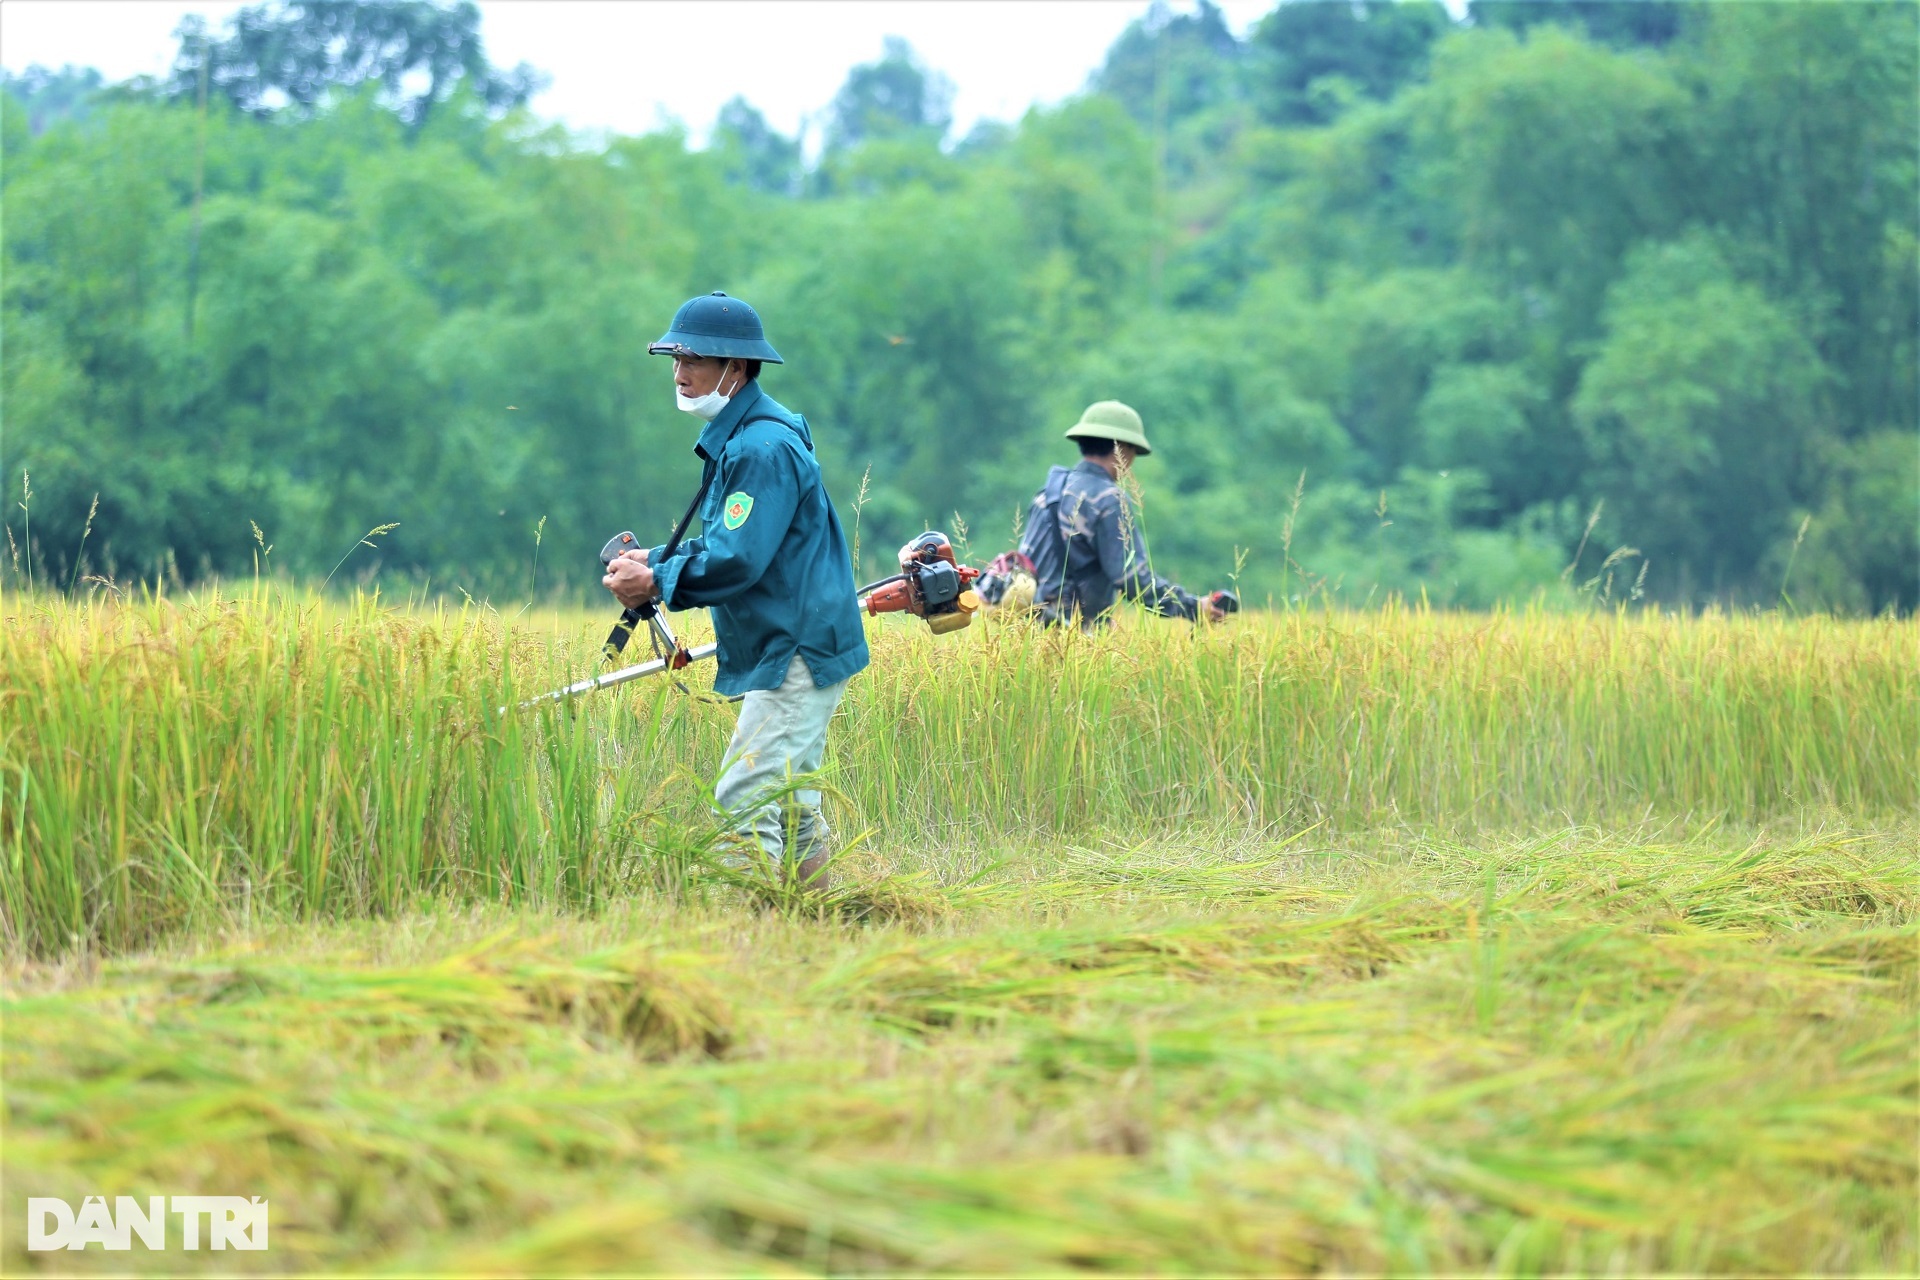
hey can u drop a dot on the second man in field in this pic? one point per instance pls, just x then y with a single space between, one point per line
1082 543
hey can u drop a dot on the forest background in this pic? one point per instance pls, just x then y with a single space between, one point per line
1551 296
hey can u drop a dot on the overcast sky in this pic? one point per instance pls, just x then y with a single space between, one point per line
627 65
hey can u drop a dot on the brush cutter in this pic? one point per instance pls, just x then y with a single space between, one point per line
931 585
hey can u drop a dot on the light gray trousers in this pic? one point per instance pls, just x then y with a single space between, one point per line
781 735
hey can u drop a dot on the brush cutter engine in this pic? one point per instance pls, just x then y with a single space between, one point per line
931 584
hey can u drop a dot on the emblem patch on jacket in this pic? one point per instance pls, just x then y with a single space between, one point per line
739 507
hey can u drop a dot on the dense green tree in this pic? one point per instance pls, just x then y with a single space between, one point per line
51 96
898 94
294 52
1168 66
1803 154
1861 546
1550 157
1701 406
754 152
1639 22
1311 58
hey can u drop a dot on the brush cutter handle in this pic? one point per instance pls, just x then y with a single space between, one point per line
618 545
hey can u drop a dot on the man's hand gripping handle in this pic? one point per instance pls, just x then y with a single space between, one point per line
624 546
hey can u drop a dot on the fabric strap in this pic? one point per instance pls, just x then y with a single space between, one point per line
631 618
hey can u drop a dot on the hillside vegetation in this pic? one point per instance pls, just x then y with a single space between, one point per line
1638 278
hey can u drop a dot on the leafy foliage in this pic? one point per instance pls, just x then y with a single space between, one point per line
296 52
51 96
755 153
1478 280
898 94
1317 58
1170 64
1642 22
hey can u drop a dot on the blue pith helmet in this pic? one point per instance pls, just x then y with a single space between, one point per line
718 326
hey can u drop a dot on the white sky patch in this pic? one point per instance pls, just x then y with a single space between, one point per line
628 66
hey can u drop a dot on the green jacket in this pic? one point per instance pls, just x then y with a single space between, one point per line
771 560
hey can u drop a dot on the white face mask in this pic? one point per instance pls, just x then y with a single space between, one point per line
706 407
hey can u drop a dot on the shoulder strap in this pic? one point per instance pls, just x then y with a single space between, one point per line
707 476
1055 486
707 473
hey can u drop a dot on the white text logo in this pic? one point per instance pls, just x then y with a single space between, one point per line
233 1222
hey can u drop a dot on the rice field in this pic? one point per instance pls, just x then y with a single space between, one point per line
1322 942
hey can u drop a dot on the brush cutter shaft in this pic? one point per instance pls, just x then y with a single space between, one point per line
637 672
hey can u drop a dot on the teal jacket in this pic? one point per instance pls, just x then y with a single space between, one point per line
771 560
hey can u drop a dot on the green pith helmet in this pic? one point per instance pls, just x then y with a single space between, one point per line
1111 420
719 326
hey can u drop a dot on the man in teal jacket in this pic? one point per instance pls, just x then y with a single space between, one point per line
771 562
